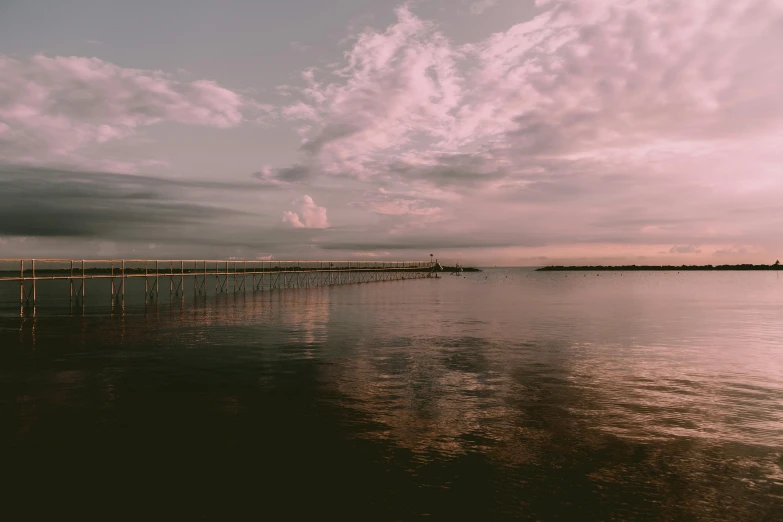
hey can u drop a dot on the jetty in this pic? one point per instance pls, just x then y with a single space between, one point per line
231 275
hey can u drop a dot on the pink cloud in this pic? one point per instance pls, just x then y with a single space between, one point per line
586 75
580 75
306 214
394 84
56 106
291 218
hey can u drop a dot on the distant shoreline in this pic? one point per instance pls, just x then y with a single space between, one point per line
661 268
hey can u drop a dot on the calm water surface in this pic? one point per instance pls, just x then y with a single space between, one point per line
508 394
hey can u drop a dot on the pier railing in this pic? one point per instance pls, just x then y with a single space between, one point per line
228 275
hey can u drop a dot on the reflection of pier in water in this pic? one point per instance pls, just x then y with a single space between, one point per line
233 276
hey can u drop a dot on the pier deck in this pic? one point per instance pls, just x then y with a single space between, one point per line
228 275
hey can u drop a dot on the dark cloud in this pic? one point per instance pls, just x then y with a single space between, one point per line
452 170
108 180
293 174
280 178
61 203
330 133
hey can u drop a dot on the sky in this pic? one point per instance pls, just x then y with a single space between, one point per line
485 132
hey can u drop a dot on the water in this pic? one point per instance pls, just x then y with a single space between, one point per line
508 394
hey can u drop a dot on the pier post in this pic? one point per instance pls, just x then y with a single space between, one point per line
35 281
21 287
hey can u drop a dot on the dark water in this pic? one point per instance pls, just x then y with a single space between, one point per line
503 395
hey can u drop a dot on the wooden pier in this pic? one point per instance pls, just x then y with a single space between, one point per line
228 275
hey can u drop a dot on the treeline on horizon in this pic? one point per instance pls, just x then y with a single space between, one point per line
648 268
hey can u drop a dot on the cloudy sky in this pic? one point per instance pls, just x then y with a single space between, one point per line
515 132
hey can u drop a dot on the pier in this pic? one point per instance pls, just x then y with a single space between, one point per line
227 275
